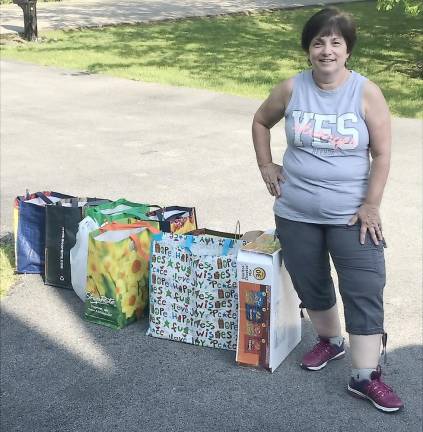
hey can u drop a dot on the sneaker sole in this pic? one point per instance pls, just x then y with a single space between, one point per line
360 395
316 368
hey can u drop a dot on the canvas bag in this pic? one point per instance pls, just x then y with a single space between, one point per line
62 219
193 289
117 273
29 214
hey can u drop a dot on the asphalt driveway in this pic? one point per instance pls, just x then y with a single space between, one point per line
99 136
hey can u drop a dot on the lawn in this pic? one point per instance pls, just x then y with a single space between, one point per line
7 265
241 55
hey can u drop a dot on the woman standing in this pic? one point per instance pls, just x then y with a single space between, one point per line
328 197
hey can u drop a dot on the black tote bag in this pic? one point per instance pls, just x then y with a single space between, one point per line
62 221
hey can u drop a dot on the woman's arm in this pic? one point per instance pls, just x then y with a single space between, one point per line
271 112
378 121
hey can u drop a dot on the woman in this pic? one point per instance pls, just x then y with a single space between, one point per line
328 197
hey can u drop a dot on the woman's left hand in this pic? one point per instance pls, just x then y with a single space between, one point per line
369 217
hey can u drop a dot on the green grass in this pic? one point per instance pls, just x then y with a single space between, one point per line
241 55
7 265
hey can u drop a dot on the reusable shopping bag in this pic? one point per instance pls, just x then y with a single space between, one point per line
62 219
119 209
79 255
118 265
29 227
206 231
175 219
193 289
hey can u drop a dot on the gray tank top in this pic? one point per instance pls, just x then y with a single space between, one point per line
326 163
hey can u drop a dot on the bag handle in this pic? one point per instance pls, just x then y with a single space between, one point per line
74 201
238 230
44 197
194 213
92 202
189 240
226 246
135 211
174 216
114 226
138 247
161 211
156 206
60 195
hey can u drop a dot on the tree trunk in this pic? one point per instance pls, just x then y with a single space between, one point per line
29 8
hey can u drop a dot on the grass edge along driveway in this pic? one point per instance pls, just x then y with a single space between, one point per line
7 265
244 55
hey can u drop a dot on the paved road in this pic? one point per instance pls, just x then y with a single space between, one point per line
94 13
96 135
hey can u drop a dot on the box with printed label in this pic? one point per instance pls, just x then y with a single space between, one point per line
269 323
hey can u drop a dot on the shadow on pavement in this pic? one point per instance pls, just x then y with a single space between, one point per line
61 373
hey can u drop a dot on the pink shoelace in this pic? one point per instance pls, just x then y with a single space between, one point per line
377 386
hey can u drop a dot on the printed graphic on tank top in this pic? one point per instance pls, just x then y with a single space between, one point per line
326 163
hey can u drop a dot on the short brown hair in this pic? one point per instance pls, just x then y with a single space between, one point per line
329 21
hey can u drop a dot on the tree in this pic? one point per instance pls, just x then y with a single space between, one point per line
411 7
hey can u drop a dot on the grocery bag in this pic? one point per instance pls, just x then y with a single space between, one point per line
119 209
29 228
175 219
79 255
206 231
117 273
62 221
193 289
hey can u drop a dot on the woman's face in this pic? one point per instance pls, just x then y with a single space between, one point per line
328 54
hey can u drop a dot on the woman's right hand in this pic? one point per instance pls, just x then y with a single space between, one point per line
272 174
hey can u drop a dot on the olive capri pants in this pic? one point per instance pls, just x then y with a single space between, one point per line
360 268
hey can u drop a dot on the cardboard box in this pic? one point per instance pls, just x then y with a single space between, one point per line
269 323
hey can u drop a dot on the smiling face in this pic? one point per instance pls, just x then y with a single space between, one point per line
328 54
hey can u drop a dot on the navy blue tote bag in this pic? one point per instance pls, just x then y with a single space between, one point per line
29 227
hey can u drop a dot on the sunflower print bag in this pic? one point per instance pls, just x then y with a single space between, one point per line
117 274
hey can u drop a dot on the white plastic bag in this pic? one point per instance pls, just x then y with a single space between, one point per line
79 256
